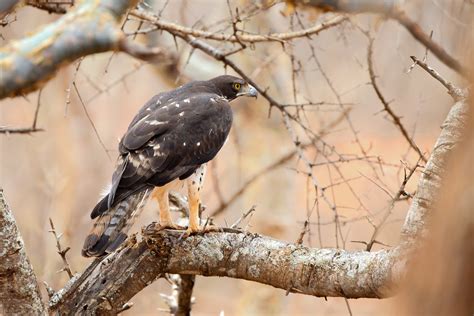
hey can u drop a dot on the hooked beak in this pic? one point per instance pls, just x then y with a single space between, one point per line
248 90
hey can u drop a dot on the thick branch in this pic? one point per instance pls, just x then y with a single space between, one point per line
429 185
293 268
90 28
19 291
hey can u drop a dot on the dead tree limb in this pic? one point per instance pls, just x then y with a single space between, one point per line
19 291
386 104
293 268
91 27
453 131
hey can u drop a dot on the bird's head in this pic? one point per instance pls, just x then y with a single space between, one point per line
232 87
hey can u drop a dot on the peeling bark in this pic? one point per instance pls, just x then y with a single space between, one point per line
19 291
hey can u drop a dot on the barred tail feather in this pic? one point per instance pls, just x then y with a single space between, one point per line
111 227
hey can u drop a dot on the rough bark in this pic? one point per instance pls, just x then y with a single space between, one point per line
19 291
429 185
439 279
293 268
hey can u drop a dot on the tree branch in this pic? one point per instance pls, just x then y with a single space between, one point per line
395 118
429 185
183 31
92 27
293 268
51 6
26 130
19 291
181 298
456 92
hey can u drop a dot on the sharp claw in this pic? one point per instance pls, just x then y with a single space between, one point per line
182 236
169 226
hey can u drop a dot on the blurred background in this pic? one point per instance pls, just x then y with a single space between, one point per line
358 159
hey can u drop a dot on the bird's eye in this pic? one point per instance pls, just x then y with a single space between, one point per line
236 86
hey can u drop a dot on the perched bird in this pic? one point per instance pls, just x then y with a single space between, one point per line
171 139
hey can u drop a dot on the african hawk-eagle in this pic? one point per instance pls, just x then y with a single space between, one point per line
171 138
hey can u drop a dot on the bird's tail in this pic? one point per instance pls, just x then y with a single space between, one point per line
111 227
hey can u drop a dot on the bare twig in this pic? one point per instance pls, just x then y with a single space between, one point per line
183 31
89 118
26 130
395 118
401 192
279 162
62 252
303 232
244 216
416 31
456 92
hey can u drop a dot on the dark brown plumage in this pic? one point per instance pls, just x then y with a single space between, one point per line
172 135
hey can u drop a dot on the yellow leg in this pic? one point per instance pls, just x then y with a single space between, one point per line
194 201
195 183
161 195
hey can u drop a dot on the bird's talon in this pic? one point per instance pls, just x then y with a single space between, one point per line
185 234
169 226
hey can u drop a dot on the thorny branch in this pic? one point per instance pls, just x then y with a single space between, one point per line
62 252
386 105
401 192
183 31
457 93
